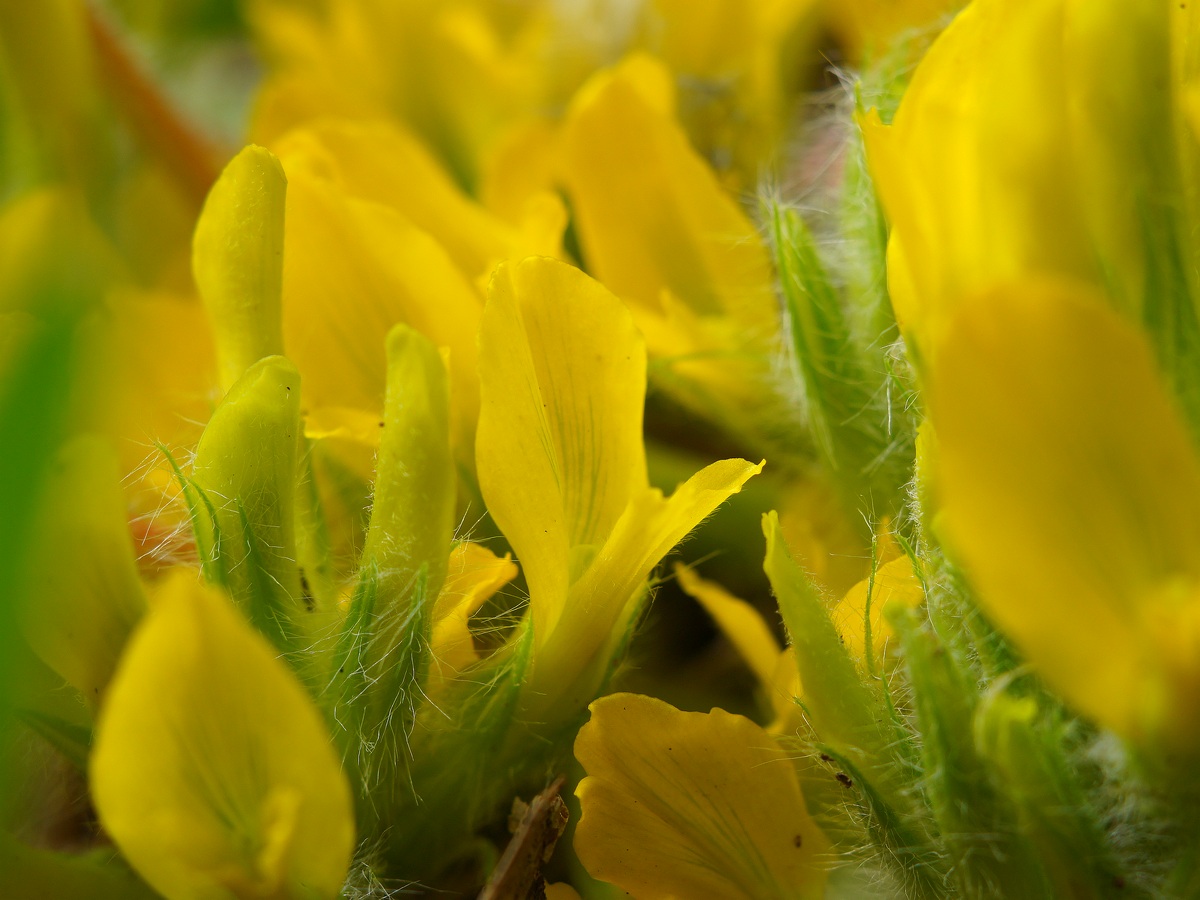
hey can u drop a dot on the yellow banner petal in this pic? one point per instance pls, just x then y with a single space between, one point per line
237 260
212 770
352 270
572 661
650 212
1069 488
976 171
382 162
692 805
740 622
559 448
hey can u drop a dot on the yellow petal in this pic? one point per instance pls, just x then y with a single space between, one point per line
593 618
823 536
692 805
50 84
559 448
237 260
775 667
521 165
976 172
212 770
352 270
650 213
1079 534
286 100
738 621
380 161
473 576
706 39
80 615
893 583
1123 142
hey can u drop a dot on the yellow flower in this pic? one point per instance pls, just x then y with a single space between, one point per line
659 231
734 63
1068 487
1030 141
455 73
652 219
212 770
698 805
562 467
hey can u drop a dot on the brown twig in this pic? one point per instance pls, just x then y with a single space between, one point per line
535 828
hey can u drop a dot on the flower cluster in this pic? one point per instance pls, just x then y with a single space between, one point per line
361 367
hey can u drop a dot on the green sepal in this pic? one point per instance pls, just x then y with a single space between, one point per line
412 510
343 698
243 504
1029 749
904 843
314 551
985 849
854 400
842 709
473 752
202 516
376 691
851 719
